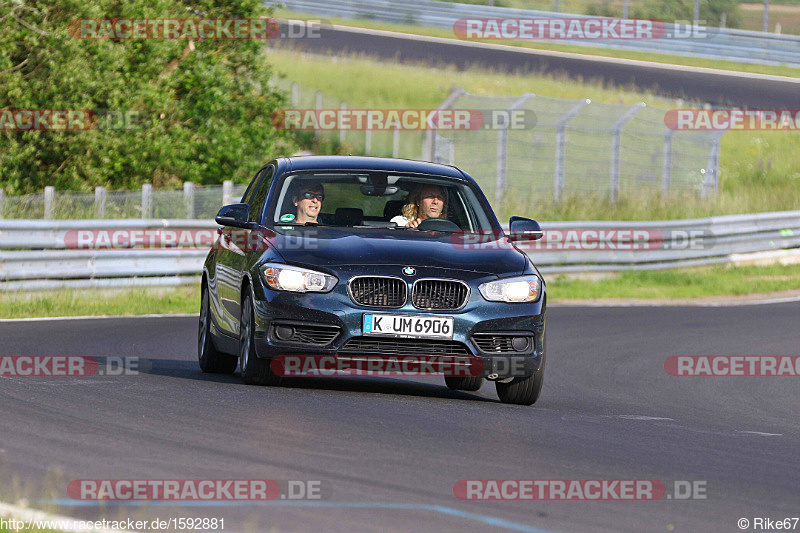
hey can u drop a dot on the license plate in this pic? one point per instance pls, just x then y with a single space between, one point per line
409 326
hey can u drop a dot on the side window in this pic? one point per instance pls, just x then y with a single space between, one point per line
251 189
257 202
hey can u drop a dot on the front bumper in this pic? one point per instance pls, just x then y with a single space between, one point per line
331 324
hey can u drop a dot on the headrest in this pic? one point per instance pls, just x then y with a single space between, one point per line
348 216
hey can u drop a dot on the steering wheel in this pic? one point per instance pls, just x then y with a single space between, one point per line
438 224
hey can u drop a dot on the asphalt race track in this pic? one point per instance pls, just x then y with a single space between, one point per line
390 450
705 85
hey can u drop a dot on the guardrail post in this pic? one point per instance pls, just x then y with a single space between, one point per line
396 142
429 150
2 199
227 192
616 131
49 196
343 108
188 198
147 200
561 139
666 167
502 149
99 202
295 95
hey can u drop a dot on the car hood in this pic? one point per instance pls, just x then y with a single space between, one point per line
336 247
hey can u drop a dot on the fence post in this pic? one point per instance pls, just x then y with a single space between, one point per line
429 145
616 130
49 196
396 142
317 107
2 199
147 200
227 192
561 139
502 150
188 198
666 168
711 172
715 166
295 95
343 108
99 202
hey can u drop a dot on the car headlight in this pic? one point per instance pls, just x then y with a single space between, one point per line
513 290
296 279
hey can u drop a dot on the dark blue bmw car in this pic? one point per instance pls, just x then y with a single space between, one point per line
358 257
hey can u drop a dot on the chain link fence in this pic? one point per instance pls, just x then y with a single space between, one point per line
577 148
570 148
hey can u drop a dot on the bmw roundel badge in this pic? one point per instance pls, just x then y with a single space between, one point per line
409 271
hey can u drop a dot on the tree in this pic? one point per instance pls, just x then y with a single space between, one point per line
203 106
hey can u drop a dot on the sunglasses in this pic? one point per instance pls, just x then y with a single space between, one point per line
311 195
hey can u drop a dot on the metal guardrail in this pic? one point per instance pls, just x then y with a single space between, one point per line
718 43
34 254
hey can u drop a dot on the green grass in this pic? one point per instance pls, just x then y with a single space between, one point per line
101 302
720 280
586 50
759 171
662 284
788 16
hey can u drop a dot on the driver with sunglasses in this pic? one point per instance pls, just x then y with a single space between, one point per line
309 202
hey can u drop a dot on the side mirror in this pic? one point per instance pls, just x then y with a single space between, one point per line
235 215
524 228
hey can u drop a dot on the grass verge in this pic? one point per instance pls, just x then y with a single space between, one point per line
100 302
575 49
701 282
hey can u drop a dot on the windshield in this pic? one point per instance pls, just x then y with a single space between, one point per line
379 200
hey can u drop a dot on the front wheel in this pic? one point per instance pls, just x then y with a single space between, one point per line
255 371
211 360
522 391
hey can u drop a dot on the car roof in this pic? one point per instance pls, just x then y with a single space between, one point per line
349 162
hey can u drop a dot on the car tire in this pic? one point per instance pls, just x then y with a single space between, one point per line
211 360
465 383
522 391
255 371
